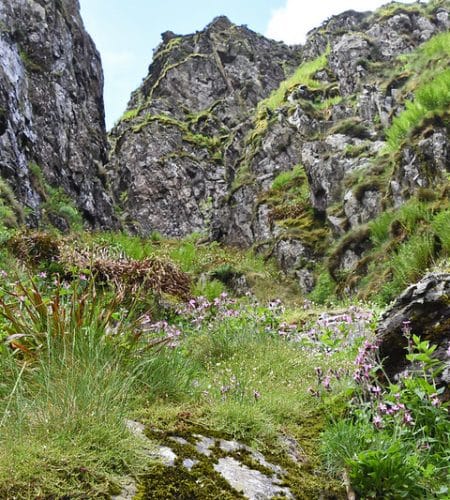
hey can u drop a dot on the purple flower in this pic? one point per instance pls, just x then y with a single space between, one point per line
326 383
435 401
378 421
42 274
256 395
407 418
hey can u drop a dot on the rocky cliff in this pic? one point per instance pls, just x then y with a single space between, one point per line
294 150
174 150
332 157
52 132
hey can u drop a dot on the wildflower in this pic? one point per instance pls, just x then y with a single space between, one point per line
375 389
312 392
382 408
42 274
319 373
256 395
327 383
407 418
82 277
145 319
378 421
435 401
3 273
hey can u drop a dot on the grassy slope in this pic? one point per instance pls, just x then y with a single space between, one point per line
85 364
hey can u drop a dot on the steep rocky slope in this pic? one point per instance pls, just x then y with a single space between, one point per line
52 133
173 150
226 137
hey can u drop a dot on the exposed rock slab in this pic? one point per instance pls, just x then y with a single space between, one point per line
252 483
424 309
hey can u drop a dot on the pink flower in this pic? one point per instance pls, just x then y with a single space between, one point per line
376 389
82 277
42 274
377 421
326 383
407 419
256 395
435 401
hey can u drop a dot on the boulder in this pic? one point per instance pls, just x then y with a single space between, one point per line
424 309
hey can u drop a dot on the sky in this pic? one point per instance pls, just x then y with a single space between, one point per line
126 31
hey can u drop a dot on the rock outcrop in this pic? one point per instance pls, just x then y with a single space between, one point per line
292 150
174 150
225 138
52 132
423 309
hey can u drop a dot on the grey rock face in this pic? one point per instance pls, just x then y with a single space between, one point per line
422 165
425 308
169 165
198 151
51 106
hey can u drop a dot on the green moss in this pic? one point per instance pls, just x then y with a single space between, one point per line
11 212
129 115
213 144
56 202
304 75
396 8
30 65
169 67
172 44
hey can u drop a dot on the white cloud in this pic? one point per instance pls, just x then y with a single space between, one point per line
291 22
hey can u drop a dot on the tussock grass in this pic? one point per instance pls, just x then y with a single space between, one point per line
62 420
303 75
430 99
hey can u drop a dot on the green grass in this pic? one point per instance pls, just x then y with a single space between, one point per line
430 99
87 363
303 75
297 174
441 227
62 420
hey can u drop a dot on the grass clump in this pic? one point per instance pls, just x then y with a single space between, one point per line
58 210
430 99
303 75
11 213
64 396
